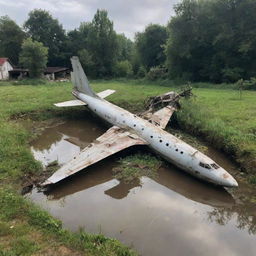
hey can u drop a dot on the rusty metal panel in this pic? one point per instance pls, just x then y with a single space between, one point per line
111 142
162 116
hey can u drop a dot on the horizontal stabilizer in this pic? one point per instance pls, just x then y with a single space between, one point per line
112 141
105 93
74 103
70 103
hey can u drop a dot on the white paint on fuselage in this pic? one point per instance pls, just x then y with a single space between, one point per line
168 146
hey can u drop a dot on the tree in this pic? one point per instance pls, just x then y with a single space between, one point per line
77 42
102 44
150 45
212 40
125 48
34 57
11 38
42 27
86 61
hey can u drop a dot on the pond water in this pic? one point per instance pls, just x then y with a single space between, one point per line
173 214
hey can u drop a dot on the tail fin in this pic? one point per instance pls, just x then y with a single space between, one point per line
79 78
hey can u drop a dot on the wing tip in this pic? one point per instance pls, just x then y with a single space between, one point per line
46 183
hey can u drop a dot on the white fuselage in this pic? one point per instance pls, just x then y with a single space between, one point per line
168 146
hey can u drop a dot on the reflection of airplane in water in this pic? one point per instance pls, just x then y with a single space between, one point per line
193 189
176 181
79 133
102 173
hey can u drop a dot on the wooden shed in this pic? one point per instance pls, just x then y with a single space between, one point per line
53 73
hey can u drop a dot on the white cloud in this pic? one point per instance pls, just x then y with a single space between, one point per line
129 17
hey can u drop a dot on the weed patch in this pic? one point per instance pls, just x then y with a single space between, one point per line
135 166
252 179
23 246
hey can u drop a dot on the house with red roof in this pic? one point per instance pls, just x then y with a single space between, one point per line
5 67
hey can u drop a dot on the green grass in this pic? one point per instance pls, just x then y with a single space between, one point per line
252 179
26 229
135 166
225 121
217 115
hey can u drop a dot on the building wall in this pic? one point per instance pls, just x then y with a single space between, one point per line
4 74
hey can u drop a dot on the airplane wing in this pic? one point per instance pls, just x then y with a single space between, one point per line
74 103
162 116
112 141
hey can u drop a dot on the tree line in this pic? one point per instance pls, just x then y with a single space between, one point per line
206 40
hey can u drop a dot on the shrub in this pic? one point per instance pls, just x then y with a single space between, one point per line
250 84
158 72
123 69
141 72
231 75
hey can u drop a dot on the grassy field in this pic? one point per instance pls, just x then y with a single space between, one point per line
218 115
225 121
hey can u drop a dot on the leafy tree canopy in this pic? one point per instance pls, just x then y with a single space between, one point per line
11 38
102 44
212 40
42 27
125 48
34 57
150 45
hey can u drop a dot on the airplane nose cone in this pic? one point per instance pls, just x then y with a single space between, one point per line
228 180
231 182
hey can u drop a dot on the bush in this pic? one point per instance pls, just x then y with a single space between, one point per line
231 75
245 84
158 72
141 72
123 69
250 84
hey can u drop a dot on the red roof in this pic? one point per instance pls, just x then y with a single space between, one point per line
3 60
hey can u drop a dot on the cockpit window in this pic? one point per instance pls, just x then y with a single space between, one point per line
207 166
215 166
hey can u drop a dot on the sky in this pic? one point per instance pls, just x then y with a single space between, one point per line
128 16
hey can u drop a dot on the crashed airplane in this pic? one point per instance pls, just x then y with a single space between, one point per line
128 130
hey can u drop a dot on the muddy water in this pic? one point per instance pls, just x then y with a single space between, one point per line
174 214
